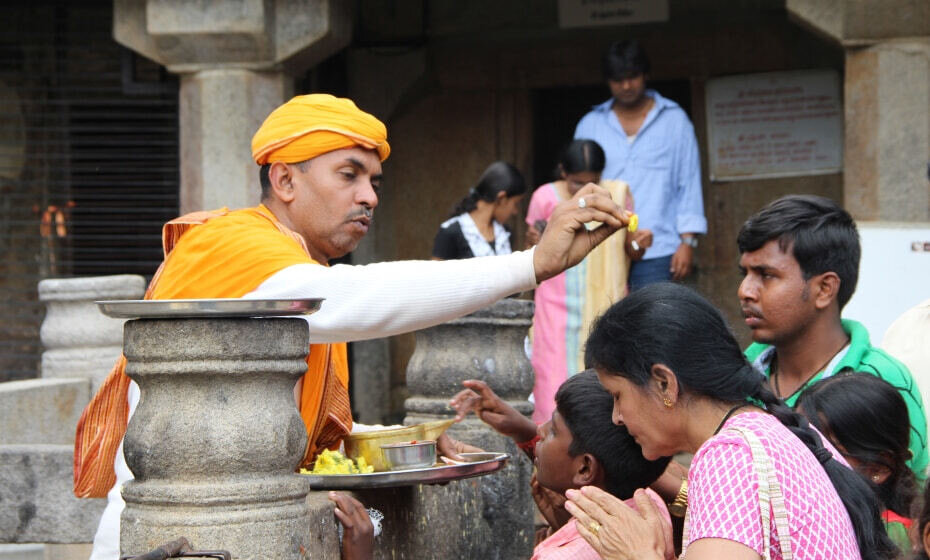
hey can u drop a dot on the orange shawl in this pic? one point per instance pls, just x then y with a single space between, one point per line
207 257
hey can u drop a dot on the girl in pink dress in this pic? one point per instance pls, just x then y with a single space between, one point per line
680 383
567 304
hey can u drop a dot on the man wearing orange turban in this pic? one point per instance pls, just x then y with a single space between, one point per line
320 174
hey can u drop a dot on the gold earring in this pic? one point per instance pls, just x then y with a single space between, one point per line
667 401
875 477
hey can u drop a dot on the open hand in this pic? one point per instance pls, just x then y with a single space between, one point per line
492 410
451 447
358 534
566 241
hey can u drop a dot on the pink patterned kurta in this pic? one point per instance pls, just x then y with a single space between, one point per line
723 499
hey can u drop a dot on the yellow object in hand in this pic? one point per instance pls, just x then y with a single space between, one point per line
634 223
334 462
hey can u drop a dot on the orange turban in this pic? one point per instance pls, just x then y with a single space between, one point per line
311 125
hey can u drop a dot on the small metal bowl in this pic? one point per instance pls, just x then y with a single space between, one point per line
404 456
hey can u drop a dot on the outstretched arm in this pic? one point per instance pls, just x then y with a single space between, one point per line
385 299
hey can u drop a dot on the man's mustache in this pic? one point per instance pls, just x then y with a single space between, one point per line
361 212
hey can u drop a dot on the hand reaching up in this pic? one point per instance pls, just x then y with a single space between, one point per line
492 410
566 240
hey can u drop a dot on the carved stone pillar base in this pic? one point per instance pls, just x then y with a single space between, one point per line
486 517
216 437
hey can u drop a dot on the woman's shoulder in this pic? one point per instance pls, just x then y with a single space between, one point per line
450 242
545 193
729 440
452 224
542 203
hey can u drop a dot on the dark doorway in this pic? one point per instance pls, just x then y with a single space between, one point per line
556 111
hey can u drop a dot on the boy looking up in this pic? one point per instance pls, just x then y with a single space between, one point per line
579 446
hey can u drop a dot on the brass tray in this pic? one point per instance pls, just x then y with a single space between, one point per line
195 308
482 464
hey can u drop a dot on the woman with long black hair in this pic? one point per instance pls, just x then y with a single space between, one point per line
476 227
762 481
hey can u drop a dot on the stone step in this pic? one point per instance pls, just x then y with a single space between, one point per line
22 552
45 551
41 410
36 501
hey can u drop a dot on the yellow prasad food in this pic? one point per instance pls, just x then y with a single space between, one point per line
334 462
634 223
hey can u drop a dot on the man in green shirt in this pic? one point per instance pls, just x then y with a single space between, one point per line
799 257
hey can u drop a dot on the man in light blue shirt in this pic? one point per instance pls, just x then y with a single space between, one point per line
650 144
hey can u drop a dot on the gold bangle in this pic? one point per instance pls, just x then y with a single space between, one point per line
679 505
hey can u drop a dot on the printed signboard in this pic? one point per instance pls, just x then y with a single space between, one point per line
591 13
774 125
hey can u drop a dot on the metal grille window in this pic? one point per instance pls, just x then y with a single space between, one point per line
88 161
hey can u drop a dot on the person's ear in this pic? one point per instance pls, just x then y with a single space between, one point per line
877 473
281 177
587 471
665 383
501 197
826 288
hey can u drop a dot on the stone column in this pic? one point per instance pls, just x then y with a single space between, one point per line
489 517
79 340
887 148
237 59
216 438
220 111
887 102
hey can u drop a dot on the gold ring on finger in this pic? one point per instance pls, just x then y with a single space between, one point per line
594 527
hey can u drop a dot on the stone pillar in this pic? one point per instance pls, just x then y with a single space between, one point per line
887 148
887 102
491 516
79 340
237 59
220 111
216 438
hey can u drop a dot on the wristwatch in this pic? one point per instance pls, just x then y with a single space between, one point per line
679 505
691 241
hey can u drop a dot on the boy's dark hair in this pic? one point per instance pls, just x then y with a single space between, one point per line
624 59
821 235
587 409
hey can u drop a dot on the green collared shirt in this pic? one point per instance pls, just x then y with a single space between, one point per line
860 355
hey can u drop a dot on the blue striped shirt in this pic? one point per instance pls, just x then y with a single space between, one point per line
662 167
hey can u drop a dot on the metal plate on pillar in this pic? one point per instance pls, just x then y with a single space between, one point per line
411 477
192 308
